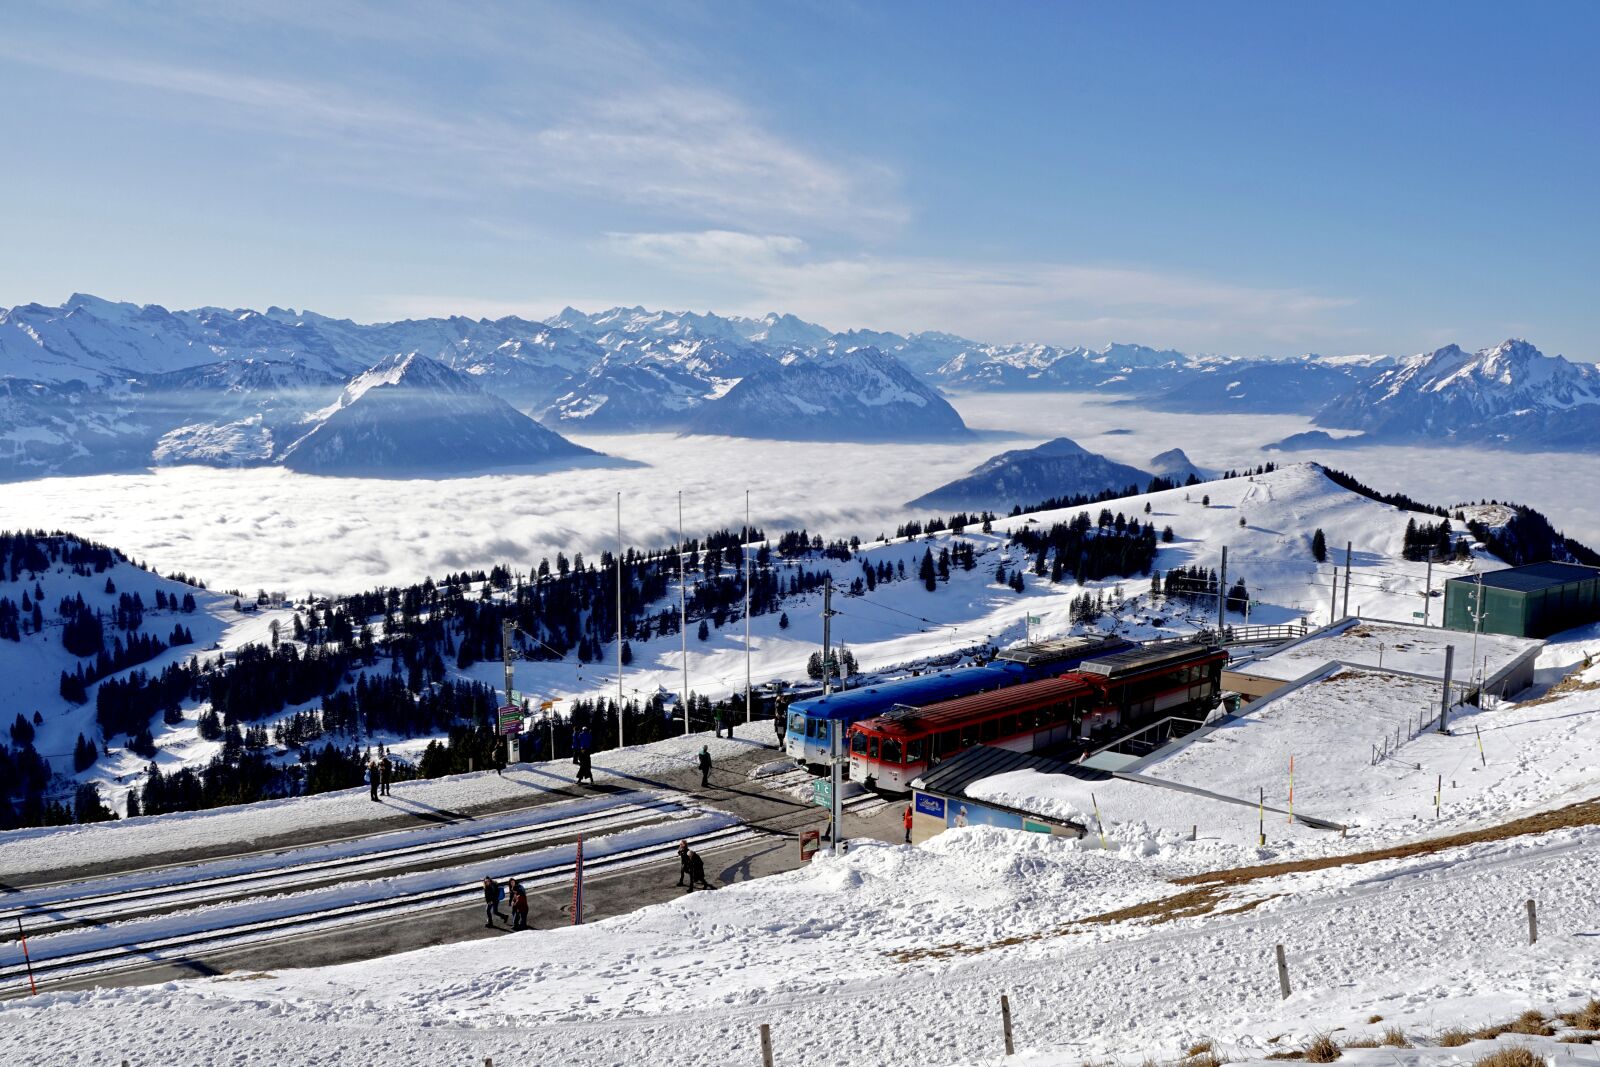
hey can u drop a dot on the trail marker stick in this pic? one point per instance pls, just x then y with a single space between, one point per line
1005 1021
34 989
766 1045
577 886
1533 924
1283 973
1098 822
1481 757
1291 789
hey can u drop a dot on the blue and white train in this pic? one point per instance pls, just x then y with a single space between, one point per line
814 722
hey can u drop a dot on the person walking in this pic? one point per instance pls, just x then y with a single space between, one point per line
705 766
683 864
491 901
519 906
908 824
585 770
722 721
697 871
500 759
373 779
386 770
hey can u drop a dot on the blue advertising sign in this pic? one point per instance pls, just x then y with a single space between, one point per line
928 805
970 814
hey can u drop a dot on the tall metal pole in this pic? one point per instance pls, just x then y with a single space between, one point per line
1444 702
827 617
507 628
683 616
1333 598
744 550
1348 553
1427 596
619 620
1222 593
1477 628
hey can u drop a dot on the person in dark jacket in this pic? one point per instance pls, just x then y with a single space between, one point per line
519 906
491 901
697 871
705 766
585 771
374 779
386 771
683 863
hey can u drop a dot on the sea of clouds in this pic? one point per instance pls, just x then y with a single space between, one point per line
278 530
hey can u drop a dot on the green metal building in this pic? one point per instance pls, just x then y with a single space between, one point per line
1532 601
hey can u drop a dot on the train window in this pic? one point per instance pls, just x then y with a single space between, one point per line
948 743
797 722
1025 720
858 744
891 750
1008 725
988 729
914 750
872 748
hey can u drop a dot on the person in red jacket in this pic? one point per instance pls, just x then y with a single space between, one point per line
908 824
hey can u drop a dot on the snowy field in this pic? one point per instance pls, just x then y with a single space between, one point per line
276 529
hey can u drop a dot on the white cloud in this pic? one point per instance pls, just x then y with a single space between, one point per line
1063 302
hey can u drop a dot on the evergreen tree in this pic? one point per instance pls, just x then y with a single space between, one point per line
704 631
926 572
783 620
1319 546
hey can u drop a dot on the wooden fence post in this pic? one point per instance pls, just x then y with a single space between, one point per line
1283 973
766 1045
1533 924
1005 1021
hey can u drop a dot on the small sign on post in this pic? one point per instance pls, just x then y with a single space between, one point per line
822 792
510 719
810 844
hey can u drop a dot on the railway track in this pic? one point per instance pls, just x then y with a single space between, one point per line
146 893
65 956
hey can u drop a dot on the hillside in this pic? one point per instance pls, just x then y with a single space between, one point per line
1055 469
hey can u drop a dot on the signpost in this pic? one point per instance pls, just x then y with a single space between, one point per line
510 719
810 844
822 792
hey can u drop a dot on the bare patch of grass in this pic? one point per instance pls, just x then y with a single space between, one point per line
1531 1023
1511 1056
1452 1038
1374 1019
1394 1037
1363 1042
1584 1018
1199 1048
1322 1049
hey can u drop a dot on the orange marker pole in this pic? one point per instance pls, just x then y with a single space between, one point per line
1291 789
23 934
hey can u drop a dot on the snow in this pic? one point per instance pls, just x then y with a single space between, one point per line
1394 646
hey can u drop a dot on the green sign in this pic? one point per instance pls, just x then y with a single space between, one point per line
1034 827
822 792
1416 615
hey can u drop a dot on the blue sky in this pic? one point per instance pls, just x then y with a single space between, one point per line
1243 178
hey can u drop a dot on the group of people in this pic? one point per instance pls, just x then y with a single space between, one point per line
379 771
494 893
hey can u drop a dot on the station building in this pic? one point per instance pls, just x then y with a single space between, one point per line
1532 601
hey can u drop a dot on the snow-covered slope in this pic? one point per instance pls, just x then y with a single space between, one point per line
1511 395
411 415
1058 468
859 395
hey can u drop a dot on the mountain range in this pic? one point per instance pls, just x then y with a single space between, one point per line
94 385
1053 470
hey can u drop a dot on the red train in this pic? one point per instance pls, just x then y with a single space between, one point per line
1103 695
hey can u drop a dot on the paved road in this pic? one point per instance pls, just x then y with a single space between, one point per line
774 809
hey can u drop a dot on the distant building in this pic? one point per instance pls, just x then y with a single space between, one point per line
1532 601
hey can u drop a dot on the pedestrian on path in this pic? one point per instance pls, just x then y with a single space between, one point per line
908 824
722 723
585 770
386 769
683 863
500 759
697 872
705 766
492 892
373 779
519 906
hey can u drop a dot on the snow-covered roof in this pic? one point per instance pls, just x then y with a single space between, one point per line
1391 646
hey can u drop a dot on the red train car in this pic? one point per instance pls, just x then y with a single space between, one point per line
1124 689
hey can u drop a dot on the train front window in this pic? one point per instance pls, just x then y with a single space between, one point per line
797 722
858 744
891 750
914 750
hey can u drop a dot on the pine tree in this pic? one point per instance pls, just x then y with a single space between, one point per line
704 631
930 579
1319 547
783 620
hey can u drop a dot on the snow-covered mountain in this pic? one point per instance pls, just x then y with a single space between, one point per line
1055 469
1511 395
411 415
859 395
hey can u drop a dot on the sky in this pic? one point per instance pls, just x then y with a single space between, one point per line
1251 179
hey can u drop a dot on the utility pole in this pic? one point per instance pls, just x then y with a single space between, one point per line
619 620
1348 553
1333 598
1477 628
683 617
744 550
1427 595
1222 594
827 617
1444 702
507 628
